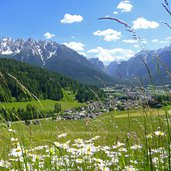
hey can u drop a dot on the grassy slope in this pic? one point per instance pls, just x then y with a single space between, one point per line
67 102
110 126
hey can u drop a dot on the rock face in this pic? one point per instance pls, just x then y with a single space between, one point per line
99 64
54 57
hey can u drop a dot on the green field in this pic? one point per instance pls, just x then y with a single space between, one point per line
117 140
114 127
103 125
46 105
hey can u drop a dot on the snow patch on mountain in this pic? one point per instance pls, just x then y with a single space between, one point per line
30 47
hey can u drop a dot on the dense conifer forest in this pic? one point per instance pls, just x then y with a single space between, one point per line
20 82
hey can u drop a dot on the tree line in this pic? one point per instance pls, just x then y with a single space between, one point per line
16 76
28 113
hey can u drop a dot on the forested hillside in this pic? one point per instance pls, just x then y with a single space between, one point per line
17 77
56 58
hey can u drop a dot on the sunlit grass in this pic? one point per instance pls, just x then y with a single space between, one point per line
111 128
47 104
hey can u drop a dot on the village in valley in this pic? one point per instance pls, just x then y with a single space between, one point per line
118 97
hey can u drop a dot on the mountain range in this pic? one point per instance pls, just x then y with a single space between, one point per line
54 57
147 66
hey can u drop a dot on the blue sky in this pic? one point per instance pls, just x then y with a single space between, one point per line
74 23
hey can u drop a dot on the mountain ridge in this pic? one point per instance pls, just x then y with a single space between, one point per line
54 57
145 64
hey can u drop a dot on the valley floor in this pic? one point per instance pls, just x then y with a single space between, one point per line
109 130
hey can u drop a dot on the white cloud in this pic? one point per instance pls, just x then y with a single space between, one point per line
161 41
125 6
109 34
144 41
164 42
109 55
131 41
94 50
68 18
48 35
168 38
77 46
142 23
82 53
115 12
155 40
137 46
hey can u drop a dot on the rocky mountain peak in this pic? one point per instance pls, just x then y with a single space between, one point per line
43 49
54 57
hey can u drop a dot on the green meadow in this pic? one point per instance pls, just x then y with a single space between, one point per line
130 128
117 140
46 105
